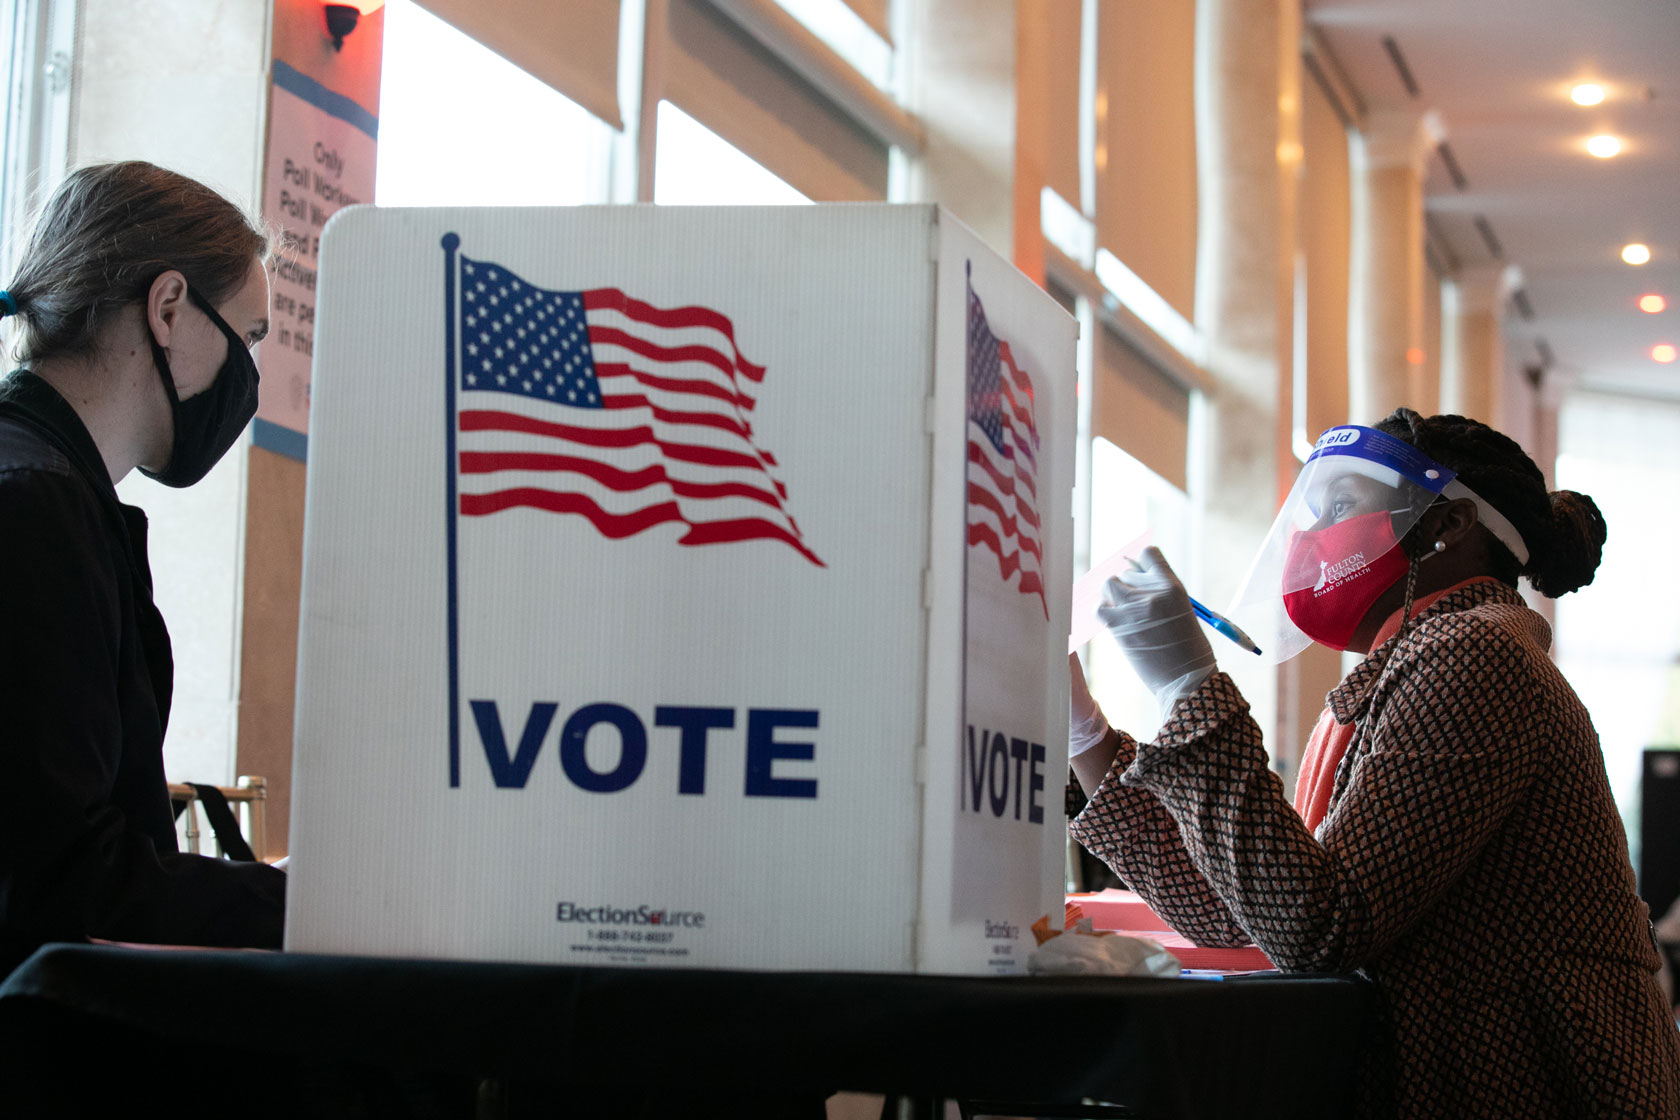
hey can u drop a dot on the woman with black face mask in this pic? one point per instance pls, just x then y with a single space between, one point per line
136 304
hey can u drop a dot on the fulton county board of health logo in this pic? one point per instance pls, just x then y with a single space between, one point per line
1002 457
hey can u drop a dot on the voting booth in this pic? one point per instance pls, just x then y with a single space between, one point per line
683 587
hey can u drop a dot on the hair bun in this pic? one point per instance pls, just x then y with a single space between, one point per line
1568 557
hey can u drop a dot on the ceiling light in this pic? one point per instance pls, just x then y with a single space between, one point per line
1651 303
1587 93
1636 253
1663 352
1604 145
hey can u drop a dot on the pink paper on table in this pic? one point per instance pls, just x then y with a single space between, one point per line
1088 591
1114 908
1124 912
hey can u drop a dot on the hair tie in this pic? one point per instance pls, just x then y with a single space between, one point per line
8 304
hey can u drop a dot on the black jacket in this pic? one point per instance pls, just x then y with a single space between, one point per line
87 839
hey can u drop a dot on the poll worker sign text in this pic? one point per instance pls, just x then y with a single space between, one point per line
322 148
679 588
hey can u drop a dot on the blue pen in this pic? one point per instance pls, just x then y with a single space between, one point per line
1225 626
1213 618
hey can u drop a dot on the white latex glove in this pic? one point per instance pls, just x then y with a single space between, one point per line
1086 723
1149 614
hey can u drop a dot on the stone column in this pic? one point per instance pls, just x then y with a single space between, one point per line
1248 153
1386 365
1472 344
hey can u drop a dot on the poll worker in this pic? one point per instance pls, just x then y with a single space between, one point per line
139 295
1456 841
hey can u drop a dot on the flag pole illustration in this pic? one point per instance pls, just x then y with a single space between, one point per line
1002 457
451 242
599 406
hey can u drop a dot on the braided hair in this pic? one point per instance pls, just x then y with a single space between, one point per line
1564 531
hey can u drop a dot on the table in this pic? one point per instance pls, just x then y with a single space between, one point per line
96 1027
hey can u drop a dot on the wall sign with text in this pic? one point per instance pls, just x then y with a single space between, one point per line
322 148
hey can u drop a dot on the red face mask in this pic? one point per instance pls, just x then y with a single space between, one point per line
1341 571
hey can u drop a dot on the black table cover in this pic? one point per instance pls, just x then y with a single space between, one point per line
115 1031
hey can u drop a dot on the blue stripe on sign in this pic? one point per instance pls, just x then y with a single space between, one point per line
270 436
329 101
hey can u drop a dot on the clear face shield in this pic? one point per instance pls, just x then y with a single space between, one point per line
1334 547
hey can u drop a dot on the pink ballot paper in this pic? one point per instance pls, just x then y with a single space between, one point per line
1088 591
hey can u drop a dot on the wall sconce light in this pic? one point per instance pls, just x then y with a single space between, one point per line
342 18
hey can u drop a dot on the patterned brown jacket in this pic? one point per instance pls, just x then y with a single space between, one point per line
1471 864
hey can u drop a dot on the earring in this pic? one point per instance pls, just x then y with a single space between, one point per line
1440 546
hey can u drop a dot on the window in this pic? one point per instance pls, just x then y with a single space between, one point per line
1145 157
723 76
1128 499
1618 451
35 66
1321 273
860 42
1137 406
694 166
513 141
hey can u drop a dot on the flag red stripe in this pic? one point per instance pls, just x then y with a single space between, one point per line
674 384
1017 427
980 496
1023 453
746 529
978 457
1024 384
1028 483
981 534
1030 516
1009 393
1022 381
620 525
671 416
612 336
1021 426
488 462
614 525
673 317
484 420
615 369
1005 484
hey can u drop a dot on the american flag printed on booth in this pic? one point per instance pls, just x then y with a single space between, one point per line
1002 458
597 405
